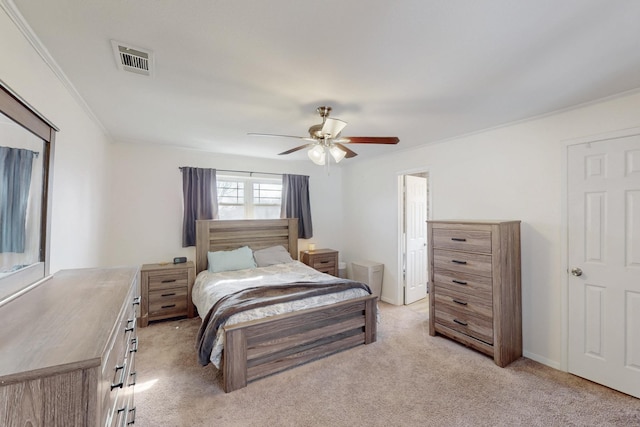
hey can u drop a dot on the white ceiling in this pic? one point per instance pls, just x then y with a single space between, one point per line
422 70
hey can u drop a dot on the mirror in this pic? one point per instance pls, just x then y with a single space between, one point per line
26 147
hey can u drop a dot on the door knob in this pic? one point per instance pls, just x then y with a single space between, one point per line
576 271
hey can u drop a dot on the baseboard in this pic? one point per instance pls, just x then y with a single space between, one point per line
540 359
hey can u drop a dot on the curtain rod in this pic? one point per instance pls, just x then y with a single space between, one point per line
238 171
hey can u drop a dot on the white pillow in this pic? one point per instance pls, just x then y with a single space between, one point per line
237 259
273 255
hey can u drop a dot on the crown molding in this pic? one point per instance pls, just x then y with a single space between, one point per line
14 14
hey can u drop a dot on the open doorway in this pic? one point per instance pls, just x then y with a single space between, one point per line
413 246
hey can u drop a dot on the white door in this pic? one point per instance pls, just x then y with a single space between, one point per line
416 238
604 262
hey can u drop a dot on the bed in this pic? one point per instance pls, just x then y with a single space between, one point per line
258 348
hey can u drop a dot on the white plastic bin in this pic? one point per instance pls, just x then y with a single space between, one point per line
369 272
342 270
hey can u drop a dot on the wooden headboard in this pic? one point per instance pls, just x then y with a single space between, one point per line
224 235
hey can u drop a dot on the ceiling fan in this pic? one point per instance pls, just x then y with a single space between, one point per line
324 139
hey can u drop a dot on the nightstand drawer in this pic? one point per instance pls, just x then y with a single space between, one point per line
167 304
168 279
324 262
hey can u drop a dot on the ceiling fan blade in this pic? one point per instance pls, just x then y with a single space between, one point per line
333 127
293 150
370 140
349 152
306 138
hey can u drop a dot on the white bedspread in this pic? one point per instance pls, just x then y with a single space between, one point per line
210 287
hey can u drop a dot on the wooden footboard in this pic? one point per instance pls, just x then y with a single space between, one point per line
263 347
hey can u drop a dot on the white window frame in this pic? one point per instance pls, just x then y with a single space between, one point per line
249 181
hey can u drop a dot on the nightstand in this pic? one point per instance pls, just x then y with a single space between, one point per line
166 291
323 260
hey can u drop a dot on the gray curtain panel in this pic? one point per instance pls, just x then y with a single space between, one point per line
15 181
296 204
200 197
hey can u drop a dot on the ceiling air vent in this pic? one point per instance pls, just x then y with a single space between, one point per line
133 59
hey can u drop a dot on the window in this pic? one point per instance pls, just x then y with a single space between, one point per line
248 197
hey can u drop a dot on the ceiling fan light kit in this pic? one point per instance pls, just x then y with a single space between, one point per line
317 155
337 153
325 139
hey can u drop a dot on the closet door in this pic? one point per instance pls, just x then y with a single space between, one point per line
604 262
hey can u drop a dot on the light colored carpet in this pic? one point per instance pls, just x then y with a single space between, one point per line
406 378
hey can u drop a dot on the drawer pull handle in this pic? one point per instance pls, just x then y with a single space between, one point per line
460 322
136 301
457 261
134 345
134 375
168 281
133 419
169 306
122 370
324 262
169 295
122 415
458 239
459 282
131 325
459 302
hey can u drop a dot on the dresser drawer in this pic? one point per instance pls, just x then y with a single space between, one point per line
167 279
476 326
462 262
466 283
462 240
117 369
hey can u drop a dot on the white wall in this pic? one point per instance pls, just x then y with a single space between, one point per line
121 204
80 170
146 200
512 172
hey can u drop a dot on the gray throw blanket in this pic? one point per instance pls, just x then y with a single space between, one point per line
261 296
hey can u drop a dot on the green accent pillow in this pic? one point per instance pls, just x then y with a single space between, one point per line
237 259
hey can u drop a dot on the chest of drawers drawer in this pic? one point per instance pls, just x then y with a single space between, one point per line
464 283
464 262
462 240
479 327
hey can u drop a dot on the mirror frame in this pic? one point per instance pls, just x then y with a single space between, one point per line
15 108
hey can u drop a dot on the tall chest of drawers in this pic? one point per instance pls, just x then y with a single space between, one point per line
475 285
68 351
